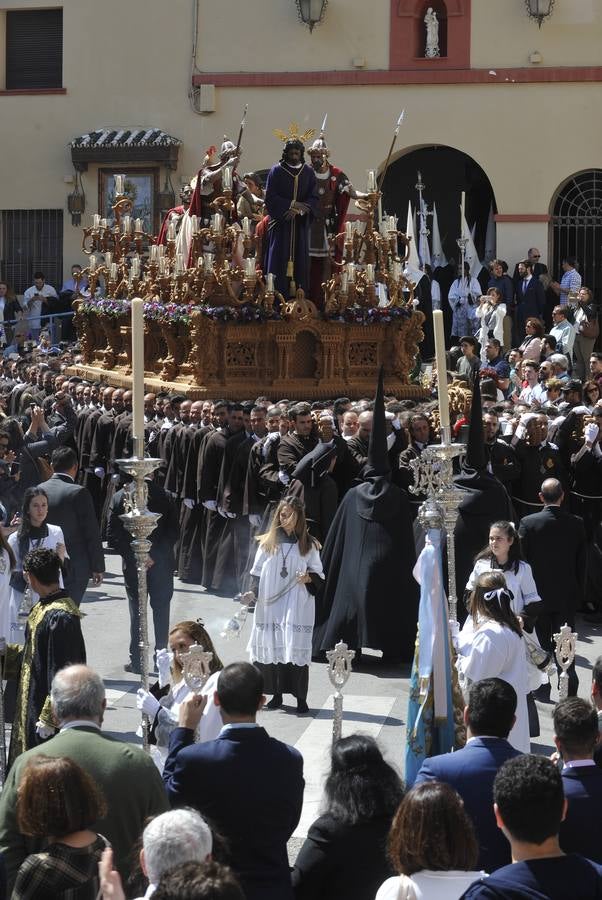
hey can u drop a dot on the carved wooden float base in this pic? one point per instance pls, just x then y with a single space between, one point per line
297 359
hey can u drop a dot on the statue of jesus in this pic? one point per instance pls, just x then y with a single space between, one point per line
432 33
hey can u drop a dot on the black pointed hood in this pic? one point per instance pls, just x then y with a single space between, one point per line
377 499
378 457
475 451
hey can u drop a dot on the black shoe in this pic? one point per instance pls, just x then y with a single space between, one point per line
543 693
302 707
275 702
133 668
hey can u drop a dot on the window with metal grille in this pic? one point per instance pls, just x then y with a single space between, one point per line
577 227
34 49
31 239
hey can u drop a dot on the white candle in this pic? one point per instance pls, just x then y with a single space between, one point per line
351 272
209 261
371 181
441 368
199 262
246 226
103 223
108 259
161 250
382 294
96 220
396 270
348 231
138 225
92 263
227 179
113 271
270 284
119 184
171 232
194 221
370 273
136 266
249 267
138 375
179 262
344 283
162 265
217 221
127 224
225 266
463 207
392 223
153 253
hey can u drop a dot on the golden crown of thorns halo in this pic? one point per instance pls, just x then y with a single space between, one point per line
293 133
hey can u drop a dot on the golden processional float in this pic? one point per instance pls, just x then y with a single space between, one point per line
215 326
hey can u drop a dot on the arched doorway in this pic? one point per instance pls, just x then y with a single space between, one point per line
446 172
576 226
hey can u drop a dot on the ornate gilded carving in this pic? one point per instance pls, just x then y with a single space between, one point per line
363 354
240 355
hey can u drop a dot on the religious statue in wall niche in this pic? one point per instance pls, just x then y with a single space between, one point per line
432 33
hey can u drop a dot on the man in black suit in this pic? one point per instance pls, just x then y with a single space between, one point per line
248 784
71 506
530 296
560 579
489 717
576 736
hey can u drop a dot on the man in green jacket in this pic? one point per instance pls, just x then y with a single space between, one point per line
127 776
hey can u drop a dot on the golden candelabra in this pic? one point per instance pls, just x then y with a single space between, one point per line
371 271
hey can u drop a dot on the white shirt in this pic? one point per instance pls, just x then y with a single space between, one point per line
429 885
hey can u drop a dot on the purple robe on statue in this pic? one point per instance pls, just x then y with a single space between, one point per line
286 184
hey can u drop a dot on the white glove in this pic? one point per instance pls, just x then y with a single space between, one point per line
255 520
591 431
521 428
147 703
99 472
164 659
225 514
189 503
391 440
283 477
396 424
44 731
211 505
580 410
272 436
507 427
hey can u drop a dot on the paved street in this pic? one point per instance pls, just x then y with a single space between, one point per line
375 696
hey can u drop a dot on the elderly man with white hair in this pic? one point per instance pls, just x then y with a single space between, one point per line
126 776
168 842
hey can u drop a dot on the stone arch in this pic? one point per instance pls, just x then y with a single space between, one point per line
446 172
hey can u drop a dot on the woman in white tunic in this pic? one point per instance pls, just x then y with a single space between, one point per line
34 532
490 313
287 569
163 701
490 645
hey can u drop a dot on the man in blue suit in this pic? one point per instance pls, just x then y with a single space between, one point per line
575 736
248 784
489 717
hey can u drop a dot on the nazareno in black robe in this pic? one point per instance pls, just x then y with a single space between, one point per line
370 597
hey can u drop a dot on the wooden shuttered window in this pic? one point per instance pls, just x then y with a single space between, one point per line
34 49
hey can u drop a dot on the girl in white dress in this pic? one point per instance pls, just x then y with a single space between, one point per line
7 564
34 532
287 569
490 645
503 554
163 701
490 313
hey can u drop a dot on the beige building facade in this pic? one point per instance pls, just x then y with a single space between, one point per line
522 102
